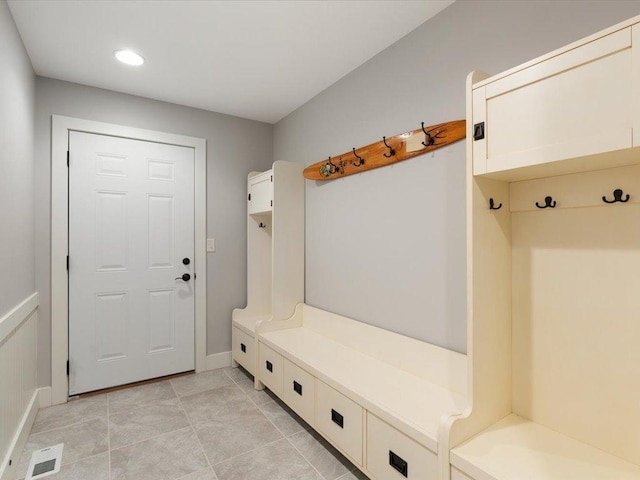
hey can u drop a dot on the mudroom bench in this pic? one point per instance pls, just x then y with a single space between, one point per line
377 396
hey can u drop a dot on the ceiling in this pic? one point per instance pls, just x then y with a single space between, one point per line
254 59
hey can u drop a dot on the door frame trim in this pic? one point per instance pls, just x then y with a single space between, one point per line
60 128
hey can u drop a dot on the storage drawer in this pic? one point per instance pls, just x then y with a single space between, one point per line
340 420
458 475
270 369
299 391
243 349
391 455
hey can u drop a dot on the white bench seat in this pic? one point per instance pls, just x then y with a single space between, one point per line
389 392
518 449
248 324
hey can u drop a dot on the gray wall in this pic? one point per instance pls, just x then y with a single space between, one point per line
17 81
388 247
235 146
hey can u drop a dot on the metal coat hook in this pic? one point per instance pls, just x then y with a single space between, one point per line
262 225
492 205
392 152
360 159
431 139
548 203
617 197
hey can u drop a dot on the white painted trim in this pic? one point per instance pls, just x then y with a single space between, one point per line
14 318
44 397
60 127
7 472
218 360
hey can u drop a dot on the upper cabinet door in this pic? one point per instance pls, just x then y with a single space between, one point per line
261 193
574 104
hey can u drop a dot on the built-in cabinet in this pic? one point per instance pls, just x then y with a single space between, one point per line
549 389
553 257
377 396
543 118
275 255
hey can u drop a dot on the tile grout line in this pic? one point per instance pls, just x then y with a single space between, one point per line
179 405
75 424
247 452
305 458
192 429
283 434
108 438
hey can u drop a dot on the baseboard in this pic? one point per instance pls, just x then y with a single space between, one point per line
218 360
44 397
10 462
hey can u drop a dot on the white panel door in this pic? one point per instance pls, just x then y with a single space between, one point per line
131 231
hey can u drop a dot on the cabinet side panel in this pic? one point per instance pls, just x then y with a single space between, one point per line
489 348
288 239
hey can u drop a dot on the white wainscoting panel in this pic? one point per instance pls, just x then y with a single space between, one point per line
18 394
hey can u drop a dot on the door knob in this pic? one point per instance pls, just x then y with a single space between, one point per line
186 261
185 278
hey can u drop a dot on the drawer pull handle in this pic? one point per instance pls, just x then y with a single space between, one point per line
297 388
269 366
337 418
478 131
243 347
398 463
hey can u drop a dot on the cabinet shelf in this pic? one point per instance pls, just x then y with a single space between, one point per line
516 448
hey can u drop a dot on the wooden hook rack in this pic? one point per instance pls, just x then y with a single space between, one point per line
388 151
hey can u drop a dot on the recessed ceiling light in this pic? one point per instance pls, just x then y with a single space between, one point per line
129 57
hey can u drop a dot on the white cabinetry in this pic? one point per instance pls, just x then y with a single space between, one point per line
270 368
340 420
260 197
275 255
553 284
299 391
391 455
581 101
377 396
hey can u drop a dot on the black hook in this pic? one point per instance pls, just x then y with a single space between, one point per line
617 197
548 203
392 152
492 205
262 225
431 139
360 159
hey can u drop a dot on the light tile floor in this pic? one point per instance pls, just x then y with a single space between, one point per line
210 426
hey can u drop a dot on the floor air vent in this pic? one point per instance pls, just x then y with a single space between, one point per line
45 462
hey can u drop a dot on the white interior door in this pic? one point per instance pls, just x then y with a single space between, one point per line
131 231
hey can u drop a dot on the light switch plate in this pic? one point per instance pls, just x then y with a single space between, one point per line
211 245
